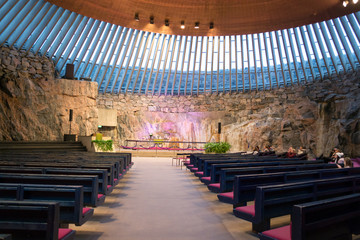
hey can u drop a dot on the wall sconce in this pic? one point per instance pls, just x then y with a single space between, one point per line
182 26
345 3
137 17
211 25
151 20
167 22
196 25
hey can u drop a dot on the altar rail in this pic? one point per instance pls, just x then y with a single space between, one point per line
160 144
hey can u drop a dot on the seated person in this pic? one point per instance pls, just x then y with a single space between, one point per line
337 156
256 150
291 153
347 163
301 153
268 150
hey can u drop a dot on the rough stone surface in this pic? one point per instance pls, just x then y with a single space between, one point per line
317 116
34 106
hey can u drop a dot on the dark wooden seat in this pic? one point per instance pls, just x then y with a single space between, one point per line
217 168
227 175
89 182
32 220
207 169
70 199
245 185
104 188
278 200
334 218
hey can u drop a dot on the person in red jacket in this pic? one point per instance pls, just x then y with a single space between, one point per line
291 153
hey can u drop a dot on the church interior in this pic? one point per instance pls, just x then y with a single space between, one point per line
162 119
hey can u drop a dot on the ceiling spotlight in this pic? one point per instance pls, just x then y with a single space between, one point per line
355 1
167 22
137 17
211 25
196 25
151 20
182 26
345 3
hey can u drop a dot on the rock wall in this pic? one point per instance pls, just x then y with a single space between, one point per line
34 106
317 116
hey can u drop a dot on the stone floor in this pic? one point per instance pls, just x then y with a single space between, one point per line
156 200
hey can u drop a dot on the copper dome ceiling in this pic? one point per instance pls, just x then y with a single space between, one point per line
230 17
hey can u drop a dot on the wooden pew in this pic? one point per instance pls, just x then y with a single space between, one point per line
245 185
209 163
42 164
122 161
278 200
70 199
104 188
334 218
32 220
89 182
217 168
227 175
201 163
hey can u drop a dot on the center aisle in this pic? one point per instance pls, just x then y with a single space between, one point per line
156 201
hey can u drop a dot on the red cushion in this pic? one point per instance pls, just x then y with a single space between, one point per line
63 232
85 210
228 195
190 166
215 185
120 175
109 186
100 196
200 173
186 162
115 179
247 209
281 233
194 169
124 170
206 178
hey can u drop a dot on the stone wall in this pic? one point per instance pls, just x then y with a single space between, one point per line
34 106
317 116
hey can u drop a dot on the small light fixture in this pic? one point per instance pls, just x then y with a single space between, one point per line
137 17
196 25
151 20
167 22
345 3
211 25
355 1
182 25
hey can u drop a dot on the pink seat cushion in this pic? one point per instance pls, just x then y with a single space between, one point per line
63 232
85 210
281 233
190 166
186 162
206 178
100 196
247 209
228 195
194 169
215 185
120 175
109 186
115 179
200 173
